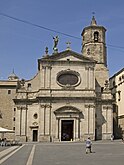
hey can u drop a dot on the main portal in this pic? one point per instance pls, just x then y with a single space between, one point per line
67 130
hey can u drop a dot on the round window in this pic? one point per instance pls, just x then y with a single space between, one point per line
68 77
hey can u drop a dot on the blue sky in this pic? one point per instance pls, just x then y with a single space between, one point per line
22 44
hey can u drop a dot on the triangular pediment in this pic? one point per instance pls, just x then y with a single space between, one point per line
67 55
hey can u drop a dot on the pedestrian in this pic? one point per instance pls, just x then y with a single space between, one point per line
112 137
88 145
5 142
2 142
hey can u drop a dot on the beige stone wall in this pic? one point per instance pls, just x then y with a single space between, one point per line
101 74
7 108
120 93
35 82
121 124
47 122
49 76
117 88
91 49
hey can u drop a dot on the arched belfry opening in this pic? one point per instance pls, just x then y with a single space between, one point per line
96 36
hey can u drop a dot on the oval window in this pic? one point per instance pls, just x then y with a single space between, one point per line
35 116
68 78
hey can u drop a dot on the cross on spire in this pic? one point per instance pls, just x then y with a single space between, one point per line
93 13
93 21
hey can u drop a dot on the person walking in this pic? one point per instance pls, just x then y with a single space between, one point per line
88 145
112 137
2 142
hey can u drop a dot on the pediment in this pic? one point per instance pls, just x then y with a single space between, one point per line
67 55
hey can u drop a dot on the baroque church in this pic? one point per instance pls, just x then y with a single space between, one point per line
69 97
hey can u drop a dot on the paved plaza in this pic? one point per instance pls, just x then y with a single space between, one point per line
63 153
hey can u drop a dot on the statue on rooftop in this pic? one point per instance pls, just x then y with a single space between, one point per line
56 39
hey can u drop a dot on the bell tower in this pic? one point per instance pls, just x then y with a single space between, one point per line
93 42
94 46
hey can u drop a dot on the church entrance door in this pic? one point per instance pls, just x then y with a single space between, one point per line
35 135
67 130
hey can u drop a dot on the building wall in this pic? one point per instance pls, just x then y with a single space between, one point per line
117 88
7 93
120 92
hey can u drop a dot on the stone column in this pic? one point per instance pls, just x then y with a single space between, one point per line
43 76
18 121
87 77
107 123
59 129
48 76
110 120
76 128
47 119
42 125
74 135
91 78
91 120
86 119
23 121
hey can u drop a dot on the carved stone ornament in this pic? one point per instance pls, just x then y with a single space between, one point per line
34 123
107 107
106 87
45 106
21 107
89 106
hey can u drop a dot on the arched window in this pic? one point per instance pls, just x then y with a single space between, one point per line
96 36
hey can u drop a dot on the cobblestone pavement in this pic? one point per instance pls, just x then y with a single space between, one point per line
63 153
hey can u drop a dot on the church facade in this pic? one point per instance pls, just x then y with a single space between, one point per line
69 98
